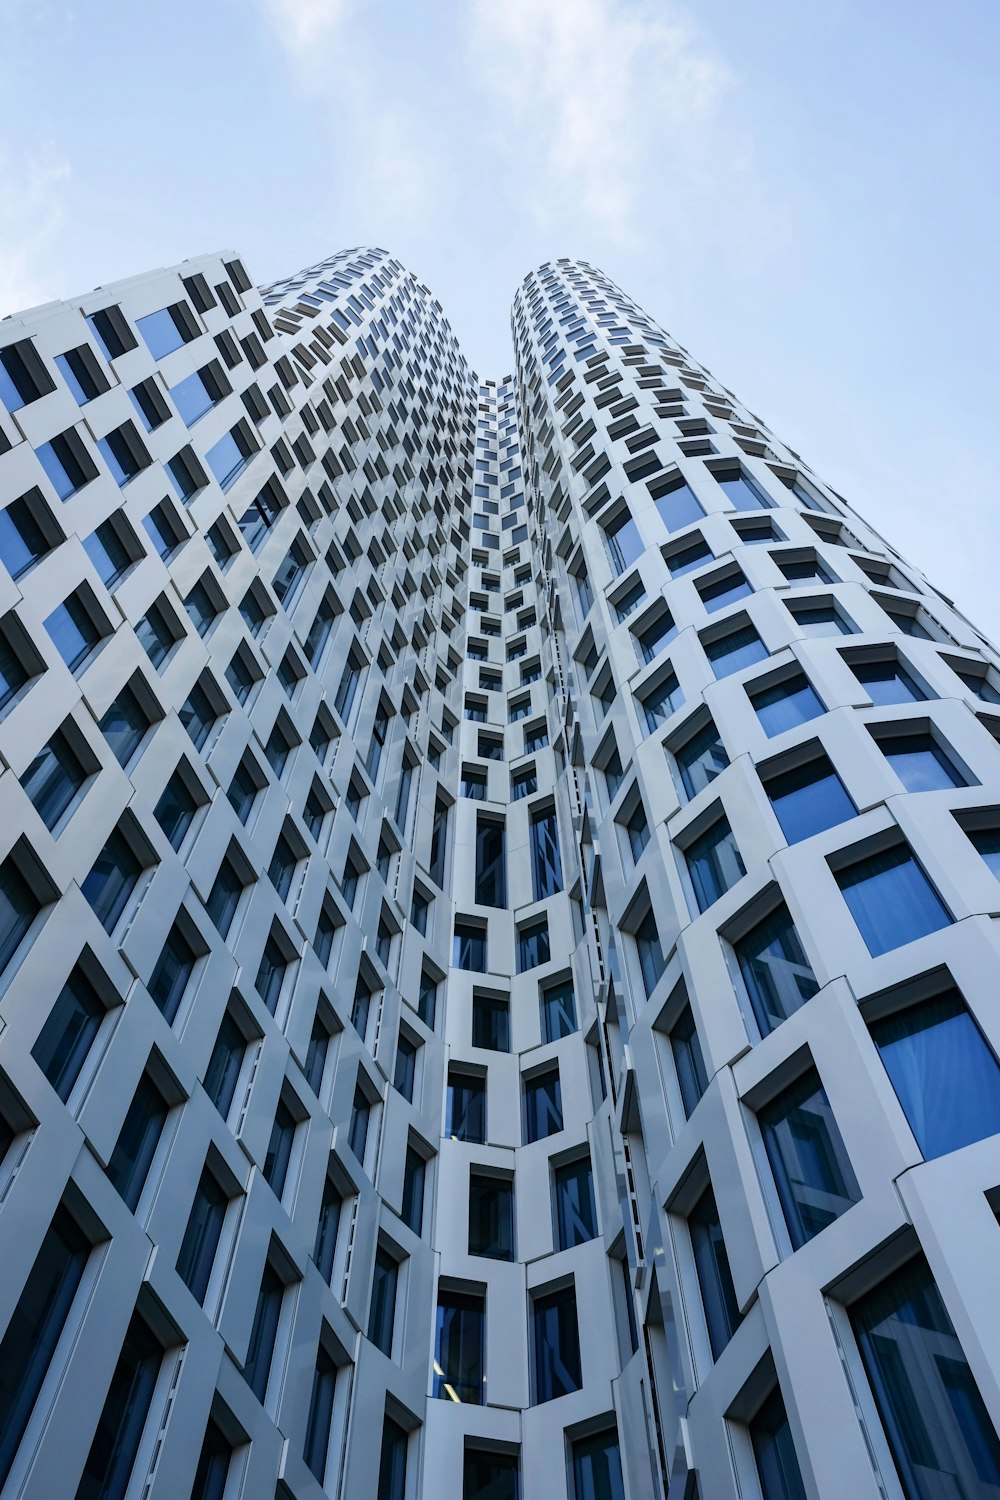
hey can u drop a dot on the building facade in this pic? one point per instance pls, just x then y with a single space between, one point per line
498 921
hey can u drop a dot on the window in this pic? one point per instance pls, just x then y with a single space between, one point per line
597 1467
68 1033
112 879
347 690
700 759
659 702
533 945
490 1022
546 868
459 1355
543 1114
491 863
924 1050
575 1203
886 681
124 453
244 789
224 897
172 972
201 608
405 1071
320 1416
466 1106
650 951
392 1462
202 1235
491 1216
556 1345
198 393
811 1169
987 842
316 1053
490 1476
264 1332
523 783
558 1011
685 1047
137 1141
891 899
785 704
26 533
325 1249
125 725
66 462
718 1295
14 673
74 630
35 1327
717 593
675 503
919 762
936 1422
113 549
439 842
108 1469
820 619
279 1149
775 970
686 558
411 1209
150 406
651 636
473 784
623 542
164 530
742 491
382 1312
734 651
225 1064
198 714
774 1452
157 634
212 1472
714 863
23 377
469 946
271 972
166 330
54 779
808 798
427 999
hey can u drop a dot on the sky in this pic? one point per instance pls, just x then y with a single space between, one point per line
804 192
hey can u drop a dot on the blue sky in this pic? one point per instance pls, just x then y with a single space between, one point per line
803 191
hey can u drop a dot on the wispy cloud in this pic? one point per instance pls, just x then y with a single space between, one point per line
33 194
306 28
610 106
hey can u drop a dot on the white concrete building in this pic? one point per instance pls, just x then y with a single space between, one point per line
498 943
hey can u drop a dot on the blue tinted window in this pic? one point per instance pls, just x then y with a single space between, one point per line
920 763
808 799
811 1169
937 1425
73 631
22 540
731 653
192 398
678 507
661 701
556 1341
714 863
987 841
54 778
543 1115
774 1452
597 1468
68 1033
689 558
225 459
624 543
692 1078
62 462
891 900
700 759
743 492
775 970
718 1295
163 331
887 682
925 1049
576 1203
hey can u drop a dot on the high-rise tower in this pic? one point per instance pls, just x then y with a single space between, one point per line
498 948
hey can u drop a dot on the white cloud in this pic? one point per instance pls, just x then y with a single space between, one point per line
610 103
33 192
305 28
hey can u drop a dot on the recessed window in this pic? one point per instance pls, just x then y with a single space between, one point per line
717 593
411 1208
700 759
622 540
925 1049
886 681
650 951
124 453
533 946
812 1172
132 1157
55 778
490 1022
891 900
23 377
113 549
278 1156
382 1311
774 1451
597 1467
685 1046
660 701
75 630
715 1279
742 492
775 969
168 329
469 946
491 1476
69 1032
934 1418
987 842
734 651
686 559
126 723
264 1332
392 1461
785 704
675 502
714 863
466 1106
919 762
543 1115
808 798
202 1235
575 1203
172 972
546 867
558 1008
460 1347
652 634
491 1216
27 533
556 1363
113 878
820 619
116 1442
225 1064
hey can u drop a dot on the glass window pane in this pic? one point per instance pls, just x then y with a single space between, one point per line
891 900
774 1452
808 799
786 705
718 1295
811 1169
714 863
576 1204
597 1467
491 1216
556 1342
459 1356
775 970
